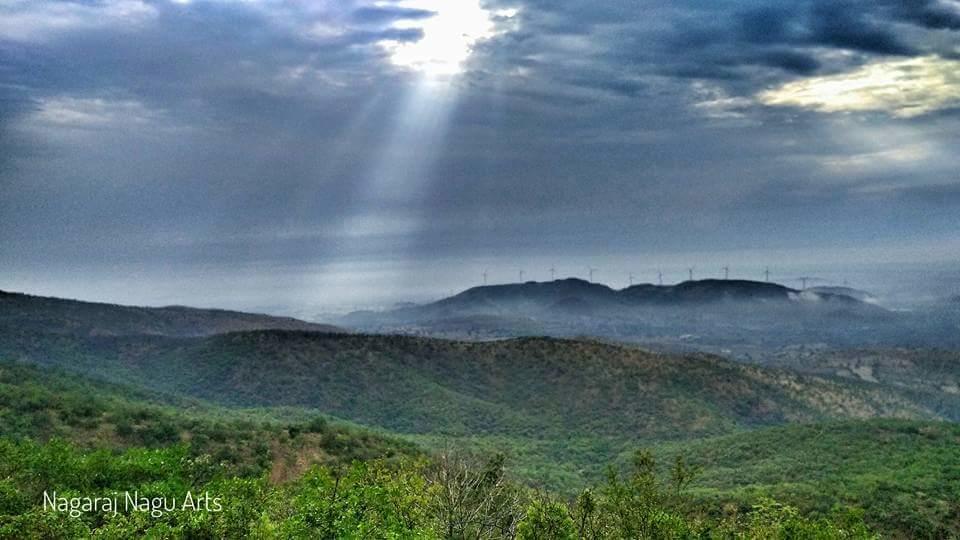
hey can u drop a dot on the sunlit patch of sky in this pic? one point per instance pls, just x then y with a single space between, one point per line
902 88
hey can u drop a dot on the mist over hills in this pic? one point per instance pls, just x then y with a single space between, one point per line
572 294
576 297
733 317
858 294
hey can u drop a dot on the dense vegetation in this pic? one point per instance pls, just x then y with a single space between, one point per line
929 376
905 474
561 408
43 405
446 498
542 388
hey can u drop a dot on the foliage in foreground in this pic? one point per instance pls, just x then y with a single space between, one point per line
445 498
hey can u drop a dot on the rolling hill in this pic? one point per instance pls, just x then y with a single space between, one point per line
23 312
44 405
528 387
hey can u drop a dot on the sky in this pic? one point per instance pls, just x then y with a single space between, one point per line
286 154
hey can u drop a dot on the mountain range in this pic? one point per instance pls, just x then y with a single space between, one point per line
576 296
732 317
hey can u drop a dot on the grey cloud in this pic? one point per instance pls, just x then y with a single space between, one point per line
793 61
388 14
583 130
928 13
846 26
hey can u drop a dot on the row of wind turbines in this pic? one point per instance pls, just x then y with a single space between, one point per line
591 271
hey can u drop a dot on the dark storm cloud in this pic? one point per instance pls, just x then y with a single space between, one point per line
927 13
792 61
222 132
739 45
847 26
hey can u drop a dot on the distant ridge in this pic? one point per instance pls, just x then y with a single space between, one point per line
692 313
25 312
578 296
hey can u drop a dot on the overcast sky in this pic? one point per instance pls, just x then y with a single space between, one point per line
230 152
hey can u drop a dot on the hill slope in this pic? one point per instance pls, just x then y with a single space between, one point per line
526 387
904 474
37 313
46 404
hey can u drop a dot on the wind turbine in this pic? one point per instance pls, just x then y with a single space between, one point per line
660 277
766 274
726 272
521 276
553 273
591 270
631 279
690 272
484 277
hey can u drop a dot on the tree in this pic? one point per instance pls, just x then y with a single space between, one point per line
546 520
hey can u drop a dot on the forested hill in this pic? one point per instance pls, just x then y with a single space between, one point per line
523 387
24 312
51 404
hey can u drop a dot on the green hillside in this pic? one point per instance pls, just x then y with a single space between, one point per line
558 408
541 388
904 474
123 439
44 405
930 376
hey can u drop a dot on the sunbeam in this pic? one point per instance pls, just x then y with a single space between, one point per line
398 180
448 36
